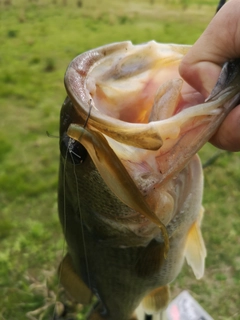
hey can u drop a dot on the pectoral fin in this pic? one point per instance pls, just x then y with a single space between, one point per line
157 300
195 251
72 283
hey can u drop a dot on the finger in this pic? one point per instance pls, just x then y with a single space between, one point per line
219 42
228 135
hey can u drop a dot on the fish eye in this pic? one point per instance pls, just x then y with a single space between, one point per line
72 150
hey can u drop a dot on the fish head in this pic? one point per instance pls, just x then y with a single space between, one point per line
141 123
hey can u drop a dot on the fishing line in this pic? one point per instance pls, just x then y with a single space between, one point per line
81 222
89 112
211 161
69 151
78 199
49 135
64 191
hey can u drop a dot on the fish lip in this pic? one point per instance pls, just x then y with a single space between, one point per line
78 71
76 86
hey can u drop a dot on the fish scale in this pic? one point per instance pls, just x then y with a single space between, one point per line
112 171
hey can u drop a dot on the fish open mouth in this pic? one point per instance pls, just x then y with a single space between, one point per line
142 122
135 97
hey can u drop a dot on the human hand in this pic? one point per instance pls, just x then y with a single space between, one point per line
202 64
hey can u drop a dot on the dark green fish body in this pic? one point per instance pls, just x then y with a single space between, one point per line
130 213
109 258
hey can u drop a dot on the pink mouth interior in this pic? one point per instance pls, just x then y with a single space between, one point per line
135 106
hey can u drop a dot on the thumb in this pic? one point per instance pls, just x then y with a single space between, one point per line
219 42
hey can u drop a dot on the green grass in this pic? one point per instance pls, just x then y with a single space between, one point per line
38 40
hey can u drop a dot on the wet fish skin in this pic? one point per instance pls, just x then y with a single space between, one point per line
114 278
110 244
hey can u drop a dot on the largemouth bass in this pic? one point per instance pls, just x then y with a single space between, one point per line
130 182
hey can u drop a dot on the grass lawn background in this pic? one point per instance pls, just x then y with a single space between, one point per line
38 40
